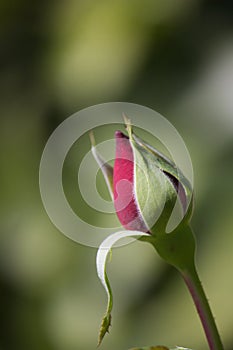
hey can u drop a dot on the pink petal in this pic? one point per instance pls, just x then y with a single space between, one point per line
123 176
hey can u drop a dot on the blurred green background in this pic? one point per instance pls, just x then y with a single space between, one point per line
57 57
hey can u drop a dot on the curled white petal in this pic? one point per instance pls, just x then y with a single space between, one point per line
101 260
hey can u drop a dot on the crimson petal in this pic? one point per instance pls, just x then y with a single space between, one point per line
123 185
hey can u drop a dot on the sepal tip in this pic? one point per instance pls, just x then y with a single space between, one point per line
92 138
104 328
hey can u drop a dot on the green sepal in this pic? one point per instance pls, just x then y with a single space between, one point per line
149 163
101 261
155 194
167 165
106 168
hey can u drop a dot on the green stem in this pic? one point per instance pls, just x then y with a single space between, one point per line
197 292
178 249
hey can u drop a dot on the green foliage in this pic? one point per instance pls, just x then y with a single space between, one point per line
159 347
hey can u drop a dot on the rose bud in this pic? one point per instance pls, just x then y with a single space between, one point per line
145 185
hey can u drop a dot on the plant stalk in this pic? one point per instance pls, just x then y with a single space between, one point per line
178 249
200 300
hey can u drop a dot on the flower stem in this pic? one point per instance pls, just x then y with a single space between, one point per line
197 292
178 249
